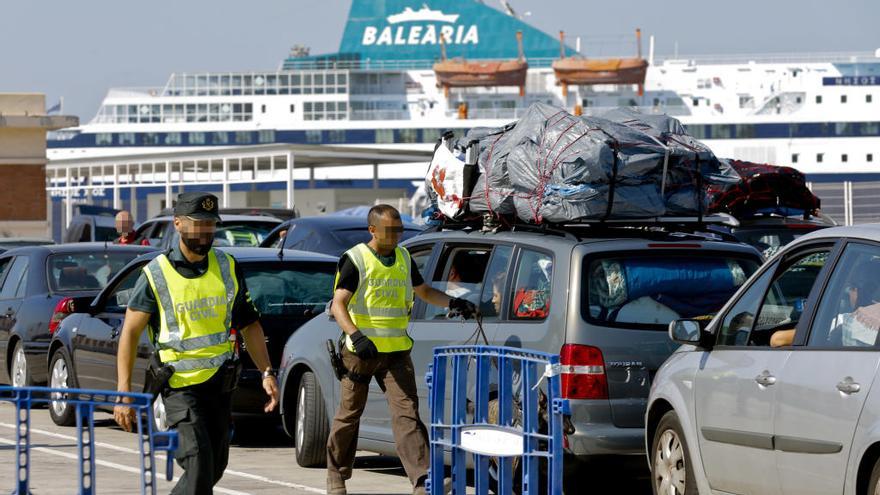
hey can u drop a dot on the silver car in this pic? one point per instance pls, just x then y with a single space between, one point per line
601 298
774 395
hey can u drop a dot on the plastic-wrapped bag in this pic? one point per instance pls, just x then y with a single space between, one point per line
446 179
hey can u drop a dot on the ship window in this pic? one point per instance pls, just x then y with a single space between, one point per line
722 131
844 158
870 128
745 131
797 99
843 98
292 108
313 137
219 138
696 102
103 139
870 157
384 136
409 135
151 139
197 138
262 108
266 136
430 135
818 99
843 128
820 157
868 98
173 138
126 139
243 137
794 158
336 136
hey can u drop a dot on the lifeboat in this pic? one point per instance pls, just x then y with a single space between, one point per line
584 71
460 73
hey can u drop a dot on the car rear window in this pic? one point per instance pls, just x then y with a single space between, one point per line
105 234
86 271
647 292
291 289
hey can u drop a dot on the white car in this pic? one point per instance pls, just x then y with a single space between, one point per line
774 396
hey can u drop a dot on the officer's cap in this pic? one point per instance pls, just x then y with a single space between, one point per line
197 205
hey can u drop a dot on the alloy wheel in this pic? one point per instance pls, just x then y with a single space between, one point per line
669 465
300 417
59 379
19 368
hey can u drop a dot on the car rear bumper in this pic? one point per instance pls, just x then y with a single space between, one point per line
595 433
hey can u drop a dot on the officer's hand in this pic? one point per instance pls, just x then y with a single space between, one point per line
124 415
463 307
364 348
270 385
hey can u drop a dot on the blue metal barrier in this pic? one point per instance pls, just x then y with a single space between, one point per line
86 401
525 434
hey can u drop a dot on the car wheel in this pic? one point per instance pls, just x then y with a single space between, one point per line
874 484
671 472
61 375
312 426
160 420
18 372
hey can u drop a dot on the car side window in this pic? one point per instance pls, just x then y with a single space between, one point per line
491 297
117 301
784 302
531 288
849 310
738 322
461 275
420 255
15 278
5 264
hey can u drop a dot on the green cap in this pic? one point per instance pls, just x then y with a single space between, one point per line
197 205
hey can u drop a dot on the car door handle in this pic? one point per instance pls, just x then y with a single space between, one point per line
765 379
114 333
848 386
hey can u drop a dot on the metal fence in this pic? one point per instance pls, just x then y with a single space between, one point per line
849 202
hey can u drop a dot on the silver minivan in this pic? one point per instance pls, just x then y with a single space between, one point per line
602 298
775 396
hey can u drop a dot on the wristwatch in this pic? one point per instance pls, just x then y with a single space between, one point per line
270 372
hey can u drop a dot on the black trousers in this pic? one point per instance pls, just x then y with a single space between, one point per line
201 415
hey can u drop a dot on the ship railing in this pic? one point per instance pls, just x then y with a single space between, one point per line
767 58
134 92
516 113
424 64
379 115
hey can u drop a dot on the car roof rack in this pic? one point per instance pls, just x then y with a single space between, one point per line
715 226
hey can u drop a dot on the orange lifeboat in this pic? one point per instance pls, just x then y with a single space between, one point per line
583 71
460 73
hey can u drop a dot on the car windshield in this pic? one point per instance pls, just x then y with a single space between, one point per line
247 234
86 271
290 289
650 291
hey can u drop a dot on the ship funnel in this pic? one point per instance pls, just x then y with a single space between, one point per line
519 45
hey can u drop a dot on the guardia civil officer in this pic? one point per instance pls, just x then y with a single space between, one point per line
190 298
371 303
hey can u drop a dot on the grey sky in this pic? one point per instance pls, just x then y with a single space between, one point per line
78 49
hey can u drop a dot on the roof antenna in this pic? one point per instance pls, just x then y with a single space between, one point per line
281 239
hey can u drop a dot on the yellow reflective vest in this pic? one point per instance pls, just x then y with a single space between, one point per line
381 306
195 316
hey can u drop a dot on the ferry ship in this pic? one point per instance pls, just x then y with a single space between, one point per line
817 112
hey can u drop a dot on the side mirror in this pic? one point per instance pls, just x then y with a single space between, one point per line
686 331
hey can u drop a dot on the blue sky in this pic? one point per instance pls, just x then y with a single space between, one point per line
78 49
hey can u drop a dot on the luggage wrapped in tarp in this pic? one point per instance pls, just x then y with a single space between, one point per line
552 166
762 188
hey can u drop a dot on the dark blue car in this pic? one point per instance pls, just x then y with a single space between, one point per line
329 234
37 285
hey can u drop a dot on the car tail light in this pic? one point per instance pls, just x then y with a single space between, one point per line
583 372
62 310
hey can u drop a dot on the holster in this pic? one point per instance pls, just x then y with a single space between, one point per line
231 371
339 368
158 375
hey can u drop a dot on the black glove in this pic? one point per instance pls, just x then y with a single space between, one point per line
463 307
364 348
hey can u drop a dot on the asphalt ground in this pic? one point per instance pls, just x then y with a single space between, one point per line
261 461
